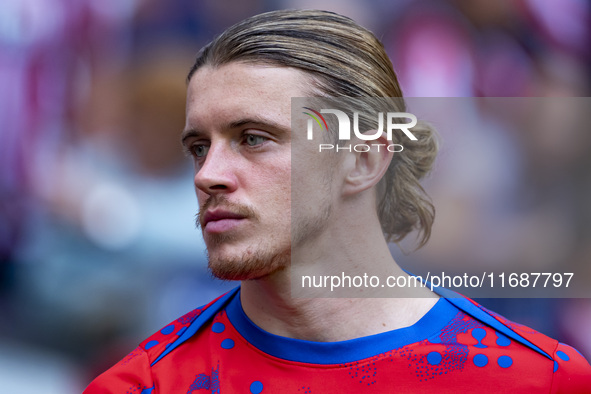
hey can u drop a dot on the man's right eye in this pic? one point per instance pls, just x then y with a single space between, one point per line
200 150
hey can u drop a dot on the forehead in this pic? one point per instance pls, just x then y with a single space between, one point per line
238 90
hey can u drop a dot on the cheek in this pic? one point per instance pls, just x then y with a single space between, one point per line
275 185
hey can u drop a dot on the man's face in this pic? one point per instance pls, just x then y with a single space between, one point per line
238 131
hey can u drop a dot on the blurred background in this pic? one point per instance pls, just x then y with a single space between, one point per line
98 247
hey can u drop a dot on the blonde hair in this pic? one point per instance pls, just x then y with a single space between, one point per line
344 60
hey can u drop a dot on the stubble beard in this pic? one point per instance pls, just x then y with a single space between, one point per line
257 261
269 255
305 226
308 228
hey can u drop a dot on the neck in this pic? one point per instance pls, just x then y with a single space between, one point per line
270 302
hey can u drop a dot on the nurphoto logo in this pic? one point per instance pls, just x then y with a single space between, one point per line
344 129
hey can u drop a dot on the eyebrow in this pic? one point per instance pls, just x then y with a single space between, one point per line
263 123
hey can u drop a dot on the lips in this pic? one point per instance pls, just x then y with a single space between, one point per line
219 220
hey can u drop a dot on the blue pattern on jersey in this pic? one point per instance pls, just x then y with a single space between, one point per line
207 382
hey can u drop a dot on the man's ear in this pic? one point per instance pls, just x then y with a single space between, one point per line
366 164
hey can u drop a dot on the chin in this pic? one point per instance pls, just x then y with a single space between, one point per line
249 265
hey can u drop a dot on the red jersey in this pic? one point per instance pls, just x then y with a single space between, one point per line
458 346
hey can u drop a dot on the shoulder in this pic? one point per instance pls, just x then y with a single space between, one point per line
130 375
562 365
159 341
571 371
134 372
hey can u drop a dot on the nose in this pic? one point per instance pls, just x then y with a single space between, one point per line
217 175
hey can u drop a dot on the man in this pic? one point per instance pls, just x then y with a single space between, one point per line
260 339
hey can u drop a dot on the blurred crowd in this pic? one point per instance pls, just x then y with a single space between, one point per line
98 245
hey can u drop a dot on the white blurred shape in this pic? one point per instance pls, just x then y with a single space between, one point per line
110 216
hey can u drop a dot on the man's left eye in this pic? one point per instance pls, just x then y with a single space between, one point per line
253 140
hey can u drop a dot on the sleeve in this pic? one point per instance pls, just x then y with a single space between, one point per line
572 372
130 375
